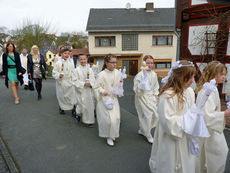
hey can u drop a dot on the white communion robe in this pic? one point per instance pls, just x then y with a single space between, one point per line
108 120
57 58
64 86
170 152
84 94
95 70
214 150
24 60
226 84
146 102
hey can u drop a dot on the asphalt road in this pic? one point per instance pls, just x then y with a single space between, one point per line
43 141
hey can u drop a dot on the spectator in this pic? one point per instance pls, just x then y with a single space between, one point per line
35 69
12 70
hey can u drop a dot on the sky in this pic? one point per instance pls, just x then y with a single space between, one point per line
62 15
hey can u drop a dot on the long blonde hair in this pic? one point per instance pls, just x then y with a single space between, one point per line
32 50
180 76
213 69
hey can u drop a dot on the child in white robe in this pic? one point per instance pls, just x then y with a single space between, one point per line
108 109
93 66
83 79
226 84
62 72
95 72
214 150
58 55
146 100
170 146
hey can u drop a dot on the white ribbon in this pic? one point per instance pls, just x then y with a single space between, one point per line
175 65
119 90
228 105
145 83
193 120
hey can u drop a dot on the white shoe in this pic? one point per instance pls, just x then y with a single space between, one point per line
110 142
140 132
150 139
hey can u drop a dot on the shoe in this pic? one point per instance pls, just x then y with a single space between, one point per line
90 125
16 102
140 132
95 114
61 111
39 97
26 87
150 139
78 118
110 142
74 113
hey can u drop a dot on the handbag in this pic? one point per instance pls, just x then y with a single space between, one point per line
22 70
30 84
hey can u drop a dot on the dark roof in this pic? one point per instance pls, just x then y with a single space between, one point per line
80 51
53 51
133 19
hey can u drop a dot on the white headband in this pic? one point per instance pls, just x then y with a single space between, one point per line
218 64
175 65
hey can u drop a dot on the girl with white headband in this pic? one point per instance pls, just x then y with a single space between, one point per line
214 150
170 147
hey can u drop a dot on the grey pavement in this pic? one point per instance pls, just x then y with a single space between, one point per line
43 141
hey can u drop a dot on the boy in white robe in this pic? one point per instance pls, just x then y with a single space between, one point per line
146 100
108 109
62 72
214 150
170 152
83 79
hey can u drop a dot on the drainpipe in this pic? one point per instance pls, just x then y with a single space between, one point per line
177 34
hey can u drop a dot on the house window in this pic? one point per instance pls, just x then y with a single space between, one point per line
210 43
129 42
105 41
162 40
162 65
49 56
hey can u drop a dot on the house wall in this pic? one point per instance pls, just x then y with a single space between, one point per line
145 47
195 16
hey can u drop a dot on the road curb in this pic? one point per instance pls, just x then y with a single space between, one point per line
8 158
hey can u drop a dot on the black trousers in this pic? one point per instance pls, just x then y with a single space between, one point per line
38 85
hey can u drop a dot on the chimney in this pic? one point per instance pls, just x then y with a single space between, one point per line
149 7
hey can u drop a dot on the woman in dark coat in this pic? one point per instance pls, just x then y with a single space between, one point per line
12 70
35 65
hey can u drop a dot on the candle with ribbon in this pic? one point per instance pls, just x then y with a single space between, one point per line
193 120
62 68
145 83
88 72
119 90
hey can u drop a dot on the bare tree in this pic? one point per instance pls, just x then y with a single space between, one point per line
30 34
